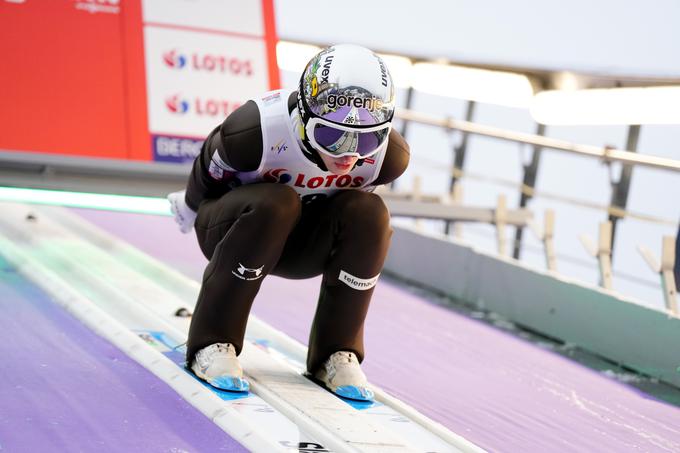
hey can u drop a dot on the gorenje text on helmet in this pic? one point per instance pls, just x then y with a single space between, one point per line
341 100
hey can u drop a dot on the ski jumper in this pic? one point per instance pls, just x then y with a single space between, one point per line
265 208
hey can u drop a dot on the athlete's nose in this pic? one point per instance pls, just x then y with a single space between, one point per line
345 160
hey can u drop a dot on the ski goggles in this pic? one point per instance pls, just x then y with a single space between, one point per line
338 140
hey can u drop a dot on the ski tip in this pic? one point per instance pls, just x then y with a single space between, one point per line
355 393
358 397
230 383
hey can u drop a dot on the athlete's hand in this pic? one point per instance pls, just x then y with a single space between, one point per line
184 215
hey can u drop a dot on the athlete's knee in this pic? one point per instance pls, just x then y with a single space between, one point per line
365 211
278 203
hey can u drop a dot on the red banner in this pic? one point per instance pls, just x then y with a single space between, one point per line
74 76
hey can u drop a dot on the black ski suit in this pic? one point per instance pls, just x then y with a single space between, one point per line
347 232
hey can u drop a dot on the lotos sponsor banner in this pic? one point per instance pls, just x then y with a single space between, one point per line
210 63
197 78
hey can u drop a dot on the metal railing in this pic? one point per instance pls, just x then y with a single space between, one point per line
20 169
606 154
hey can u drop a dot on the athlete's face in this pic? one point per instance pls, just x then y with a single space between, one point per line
339 165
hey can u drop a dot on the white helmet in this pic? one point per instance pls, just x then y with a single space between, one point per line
346 101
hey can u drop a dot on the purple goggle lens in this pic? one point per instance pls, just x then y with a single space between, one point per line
337 141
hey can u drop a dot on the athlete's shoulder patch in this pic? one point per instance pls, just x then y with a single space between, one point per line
271 98
218 168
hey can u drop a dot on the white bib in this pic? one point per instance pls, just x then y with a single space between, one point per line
283 161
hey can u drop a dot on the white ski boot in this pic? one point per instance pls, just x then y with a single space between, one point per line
218 365
342 375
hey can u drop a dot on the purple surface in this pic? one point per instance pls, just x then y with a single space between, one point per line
497 390
63 388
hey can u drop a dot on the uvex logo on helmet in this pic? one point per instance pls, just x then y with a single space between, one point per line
326 69
320 86
341 100
383 72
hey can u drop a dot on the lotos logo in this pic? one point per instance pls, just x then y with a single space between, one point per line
174 60
176 105
211 63
328 181
301 180
277 175
215 107
341 100
201 106
221 64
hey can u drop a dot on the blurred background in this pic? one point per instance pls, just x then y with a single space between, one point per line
540 201
146 81
558 49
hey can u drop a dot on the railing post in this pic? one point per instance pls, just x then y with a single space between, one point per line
668 282
407 105
604 254
529 180
546 235
548 239
456 198
677 260
620 188
669 260
500 219
416 195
